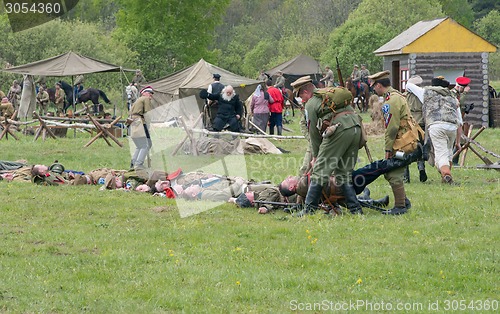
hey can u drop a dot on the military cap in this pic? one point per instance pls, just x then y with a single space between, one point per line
440 81
299 83
462 81
216 76
56 167
147 89
356 66
379 75
416 79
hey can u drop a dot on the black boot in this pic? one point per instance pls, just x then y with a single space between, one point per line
421 170
365 195
426 150
399 210
406 175
382 202
351 200
312 199
280 130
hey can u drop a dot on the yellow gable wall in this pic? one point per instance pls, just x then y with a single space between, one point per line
449 36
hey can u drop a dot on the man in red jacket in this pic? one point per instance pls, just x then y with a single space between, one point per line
276 108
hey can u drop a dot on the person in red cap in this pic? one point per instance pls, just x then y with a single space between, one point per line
139 129
460 92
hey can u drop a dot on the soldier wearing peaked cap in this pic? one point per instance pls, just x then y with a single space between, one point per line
139 127
396 114
460 91
335 132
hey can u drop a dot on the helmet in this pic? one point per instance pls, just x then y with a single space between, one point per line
56 167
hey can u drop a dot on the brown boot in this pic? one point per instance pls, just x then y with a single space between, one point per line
399 201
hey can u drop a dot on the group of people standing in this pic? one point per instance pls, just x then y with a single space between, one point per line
334 132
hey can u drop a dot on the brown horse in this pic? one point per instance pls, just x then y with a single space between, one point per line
363 97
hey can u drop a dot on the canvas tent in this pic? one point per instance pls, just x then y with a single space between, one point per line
191 80
299 66
67 64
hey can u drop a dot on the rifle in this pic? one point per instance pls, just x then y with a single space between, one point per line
339 73
287 207
365 203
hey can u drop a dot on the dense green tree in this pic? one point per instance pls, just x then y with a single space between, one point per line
488 28
269 32
57 37
459 10
90 11
483 7
370 26
168 34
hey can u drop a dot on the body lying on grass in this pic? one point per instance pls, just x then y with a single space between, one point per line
203 186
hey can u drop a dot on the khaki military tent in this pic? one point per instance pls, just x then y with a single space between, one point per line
67 64
191 80
299 66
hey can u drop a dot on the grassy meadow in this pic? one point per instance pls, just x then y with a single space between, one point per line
73 249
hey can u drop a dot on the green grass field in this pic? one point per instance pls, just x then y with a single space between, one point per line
70 249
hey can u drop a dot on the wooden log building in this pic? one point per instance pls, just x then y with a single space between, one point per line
442 47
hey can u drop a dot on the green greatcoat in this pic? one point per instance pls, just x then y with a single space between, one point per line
336 154
415 108
394 109
139 109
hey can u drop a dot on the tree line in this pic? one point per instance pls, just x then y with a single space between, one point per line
243 36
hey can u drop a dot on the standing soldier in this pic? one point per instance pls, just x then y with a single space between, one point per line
460 91
59 97
139 128
42 99
335 132
328 78
14 94
396 116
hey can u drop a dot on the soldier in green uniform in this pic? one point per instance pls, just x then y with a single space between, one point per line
460 92
59 96
42 100
334 150
139 130
396 114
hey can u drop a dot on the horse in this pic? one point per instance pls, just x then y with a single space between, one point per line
68 91
290 97
132 95
93 95
364 94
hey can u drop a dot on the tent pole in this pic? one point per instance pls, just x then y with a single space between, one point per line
74 100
